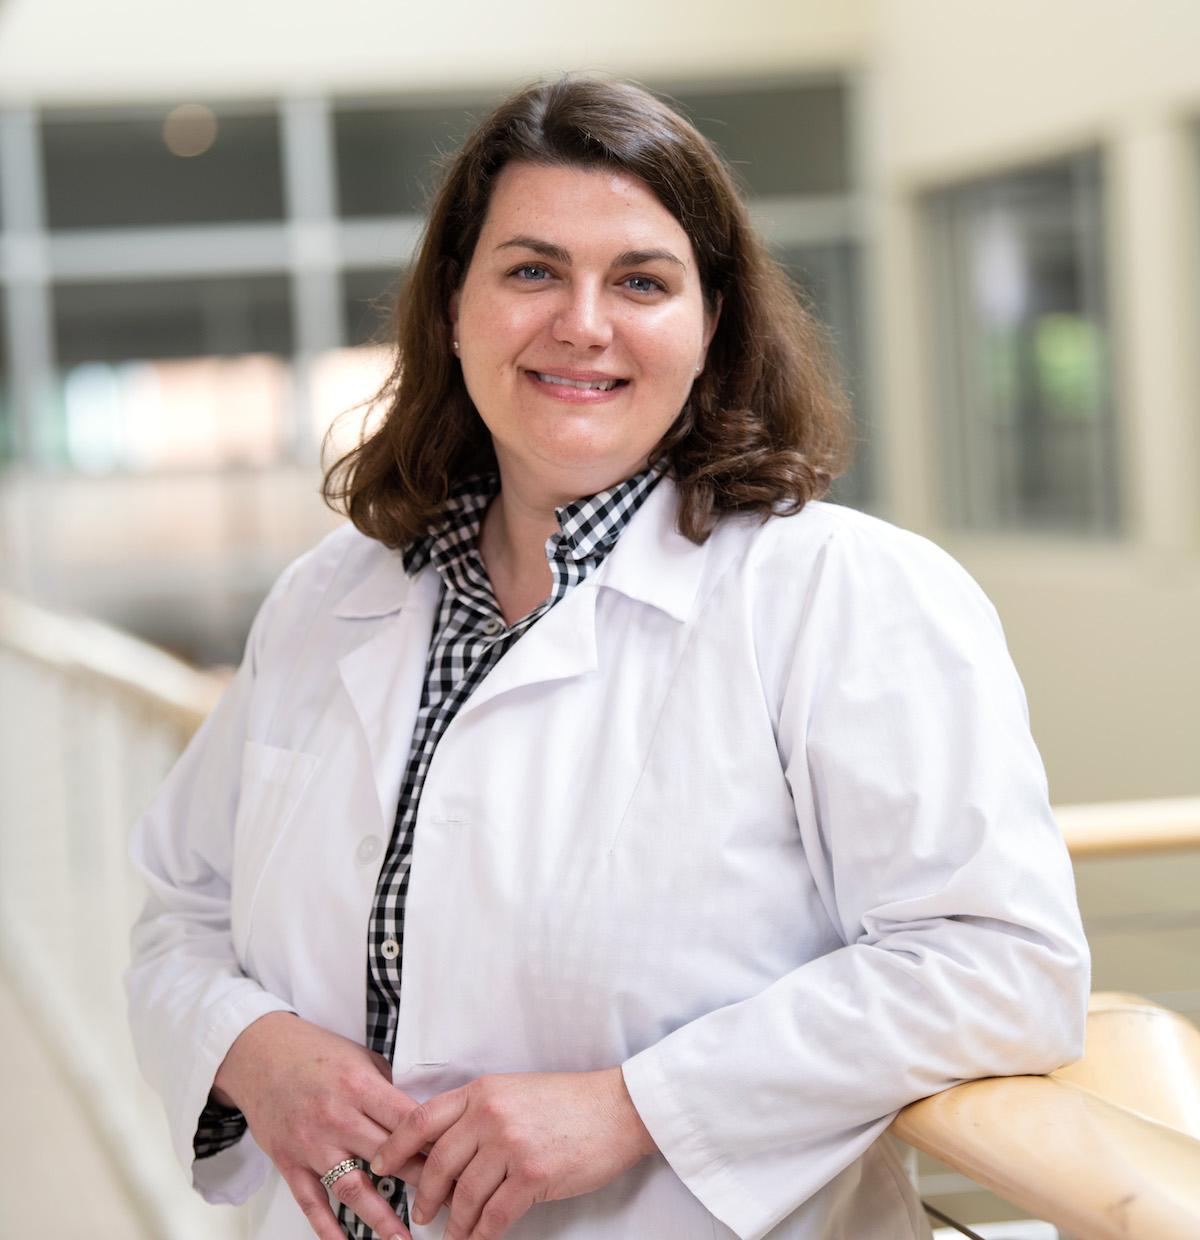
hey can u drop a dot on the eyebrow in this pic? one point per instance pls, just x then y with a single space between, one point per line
628 258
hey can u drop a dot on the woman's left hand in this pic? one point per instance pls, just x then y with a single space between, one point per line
514 1140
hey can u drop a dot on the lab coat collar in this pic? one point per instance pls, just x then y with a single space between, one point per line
384 590
652 561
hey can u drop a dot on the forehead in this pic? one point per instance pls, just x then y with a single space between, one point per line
595 207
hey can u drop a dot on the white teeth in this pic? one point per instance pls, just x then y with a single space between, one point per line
600 385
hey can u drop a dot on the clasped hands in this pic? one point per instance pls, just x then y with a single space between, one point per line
489 1150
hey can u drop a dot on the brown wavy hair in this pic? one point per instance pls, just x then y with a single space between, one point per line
765 428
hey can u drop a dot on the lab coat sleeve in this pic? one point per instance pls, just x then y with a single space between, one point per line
188 997
922 807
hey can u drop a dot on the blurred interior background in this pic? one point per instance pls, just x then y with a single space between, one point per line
994 207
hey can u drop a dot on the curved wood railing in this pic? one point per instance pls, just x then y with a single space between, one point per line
1107 1147
91 720
1130 826
112 661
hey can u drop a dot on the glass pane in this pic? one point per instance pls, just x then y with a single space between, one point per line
367 300
7 413
1023 312
188 413
173 374
385 156
828 277
345 383
780 140
184 165
172 318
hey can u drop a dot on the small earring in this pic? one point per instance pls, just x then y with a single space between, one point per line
456 346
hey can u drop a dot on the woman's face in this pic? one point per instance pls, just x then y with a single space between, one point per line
581 327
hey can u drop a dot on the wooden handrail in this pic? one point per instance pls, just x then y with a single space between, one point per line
1130 826
1093 1168
1143 1057
1104 1147
97 652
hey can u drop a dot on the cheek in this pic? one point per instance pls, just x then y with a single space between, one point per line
670 347
494 329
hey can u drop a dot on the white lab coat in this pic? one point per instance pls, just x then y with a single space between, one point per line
761 821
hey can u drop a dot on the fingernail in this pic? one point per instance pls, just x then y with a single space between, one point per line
377 1167
420 1215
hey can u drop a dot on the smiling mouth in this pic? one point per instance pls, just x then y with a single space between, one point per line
588 385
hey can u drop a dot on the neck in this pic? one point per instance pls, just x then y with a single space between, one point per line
512 544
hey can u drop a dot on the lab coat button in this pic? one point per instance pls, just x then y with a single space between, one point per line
368 849
390 949
493 626
386 1186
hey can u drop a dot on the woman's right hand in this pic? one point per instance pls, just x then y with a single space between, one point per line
313 1098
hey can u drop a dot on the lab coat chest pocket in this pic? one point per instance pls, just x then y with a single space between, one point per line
272 782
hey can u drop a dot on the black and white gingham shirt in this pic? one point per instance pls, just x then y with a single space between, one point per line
470 637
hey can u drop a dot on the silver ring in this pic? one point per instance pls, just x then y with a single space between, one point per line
343 1168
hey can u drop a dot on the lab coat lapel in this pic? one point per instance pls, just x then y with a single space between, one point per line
383 675
561 645
652 563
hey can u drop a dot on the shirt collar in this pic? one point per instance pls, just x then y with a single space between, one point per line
456 529
588 527
652 562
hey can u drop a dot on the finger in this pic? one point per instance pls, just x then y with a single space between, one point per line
424 1123
507 1204
475 1188
356 1192
443 1165
313 1201
412 1170
386 1104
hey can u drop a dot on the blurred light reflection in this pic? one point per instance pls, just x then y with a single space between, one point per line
190 129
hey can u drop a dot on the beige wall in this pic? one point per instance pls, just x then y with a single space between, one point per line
63 49
1107 637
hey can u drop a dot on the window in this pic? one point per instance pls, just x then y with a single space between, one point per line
187 164
828 277
780 139
169 374
7 430
385 155
163 292
1024 351
367 299
790 146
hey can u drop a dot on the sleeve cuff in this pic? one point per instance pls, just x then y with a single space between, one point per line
681 1143
234 1171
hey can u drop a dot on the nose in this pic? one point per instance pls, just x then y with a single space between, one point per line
582 319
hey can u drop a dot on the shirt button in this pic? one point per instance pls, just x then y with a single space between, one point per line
368 849
493 626
390 949
386 1186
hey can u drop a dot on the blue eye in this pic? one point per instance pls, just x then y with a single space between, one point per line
538 273
644 284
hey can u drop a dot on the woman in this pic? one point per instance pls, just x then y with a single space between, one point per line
699 819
